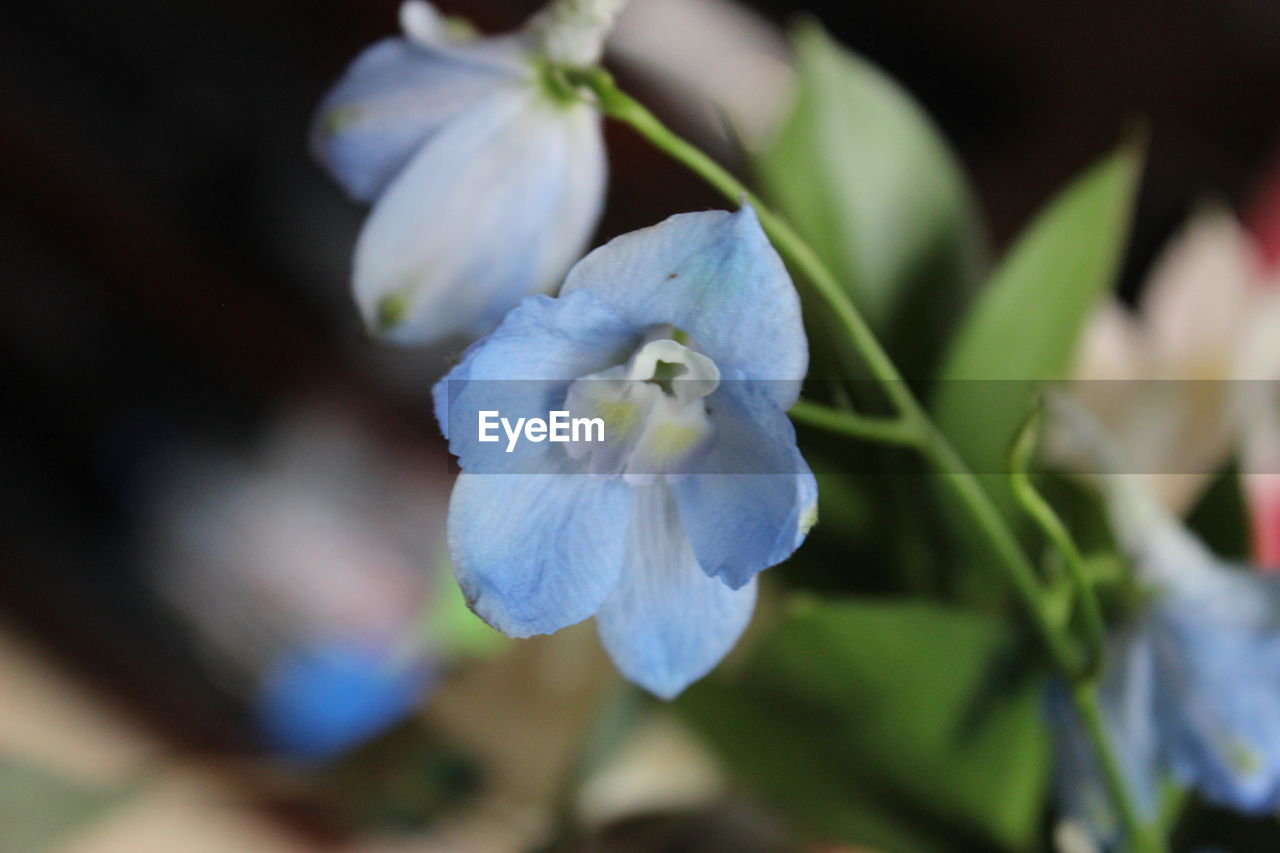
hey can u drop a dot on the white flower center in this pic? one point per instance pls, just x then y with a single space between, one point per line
654 411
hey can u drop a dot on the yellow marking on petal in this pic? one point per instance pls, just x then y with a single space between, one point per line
392 309
1242 759
619 417
339 119
459 29
808 518
672 440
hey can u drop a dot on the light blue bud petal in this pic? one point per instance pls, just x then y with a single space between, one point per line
393 98
667 624
1219 681
716 277
534 553
753 497
523 369
495 206
322 700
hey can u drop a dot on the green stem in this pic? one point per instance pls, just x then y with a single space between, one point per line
885 430
912 419
1043 514
1139 837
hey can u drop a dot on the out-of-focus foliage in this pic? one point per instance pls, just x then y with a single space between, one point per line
859 168
1024 327
861 171
904 725
40 808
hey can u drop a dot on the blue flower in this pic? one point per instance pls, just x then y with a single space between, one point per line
685 339
486 179
1216 633
323 699
1192 686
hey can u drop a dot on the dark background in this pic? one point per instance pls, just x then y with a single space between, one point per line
175 265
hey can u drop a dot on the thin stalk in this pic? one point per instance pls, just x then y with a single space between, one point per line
1042 513
885 430
1139 837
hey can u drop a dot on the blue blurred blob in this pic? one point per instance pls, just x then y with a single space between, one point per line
321 700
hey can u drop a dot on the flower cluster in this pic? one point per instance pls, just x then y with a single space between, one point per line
684 343
685 340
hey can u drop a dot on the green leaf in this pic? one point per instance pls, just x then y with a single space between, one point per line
860 170
1024 328
40 808
904 725
452 630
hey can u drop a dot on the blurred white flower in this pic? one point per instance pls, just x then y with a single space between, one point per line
725 68
1161 380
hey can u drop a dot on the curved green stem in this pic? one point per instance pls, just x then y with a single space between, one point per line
912 421
886 430
1042 513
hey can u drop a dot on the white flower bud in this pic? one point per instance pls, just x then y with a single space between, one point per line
573 31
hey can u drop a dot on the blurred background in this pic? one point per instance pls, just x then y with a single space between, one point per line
222 588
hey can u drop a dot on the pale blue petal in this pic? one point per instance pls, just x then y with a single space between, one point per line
495 206
324 699
753 497
534 553
716 277
393 98
667 624
1218 637
523 369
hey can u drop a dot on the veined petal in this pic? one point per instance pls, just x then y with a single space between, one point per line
491 209
1218 638
394 97
667 624
753 498
524 369
716 277
534 553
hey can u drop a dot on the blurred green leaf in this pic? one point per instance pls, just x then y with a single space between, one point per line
1024 327
453 631
904 725
40 808
861 171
